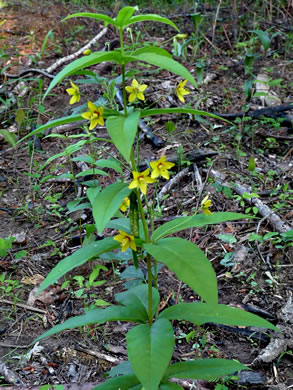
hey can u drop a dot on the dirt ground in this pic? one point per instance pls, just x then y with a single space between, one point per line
260 277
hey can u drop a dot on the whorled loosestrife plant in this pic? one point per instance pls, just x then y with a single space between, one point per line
150 342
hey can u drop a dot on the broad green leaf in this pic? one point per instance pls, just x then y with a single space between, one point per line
92 171
97 316
264 38
102 17
123 130
107 202
124 15
198 220
79 257
9 137
84 62
103 163
155 56
189 264
151 18
150 350
138 297
124 382
123 368
177 110
207 369
170 386
201 313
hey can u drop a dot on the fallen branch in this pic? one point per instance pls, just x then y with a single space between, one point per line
78 53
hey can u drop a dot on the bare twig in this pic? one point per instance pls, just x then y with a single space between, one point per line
78 53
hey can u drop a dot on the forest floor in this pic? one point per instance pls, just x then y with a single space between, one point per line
252 258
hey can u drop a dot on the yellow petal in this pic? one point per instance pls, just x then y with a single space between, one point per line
92 106
134 83
133 184
129 89
143 188
140 96
87 115
132 97
142 87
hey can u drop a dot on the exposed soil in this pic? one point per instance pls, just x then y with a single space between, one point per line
260 279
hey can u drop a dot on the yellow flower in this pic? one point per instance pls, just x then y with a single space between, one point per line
181 91
125 204
160 168
205 205
136 91
74 93
127 241
141 180
95 115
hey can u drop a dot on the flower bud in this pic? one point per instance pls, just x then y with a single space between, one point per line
180 36
87 52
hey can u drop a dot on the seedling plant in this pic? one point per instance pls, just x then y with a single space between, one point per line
150 342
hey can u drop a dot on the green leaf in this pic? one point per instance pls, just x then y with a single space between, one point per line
107 202
160 111
251 164
200 313
9 137
97 316
161 58
103 163
123 130
151 18
91 171
124 15
150 349
79 257
207 369
189 264
84 62
264 38
198 220
125 382
138 297
104 18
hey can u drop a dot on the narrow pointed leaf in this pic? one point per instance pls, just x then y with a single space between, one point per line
84 62
206 369
189 264
78 258
198 220
201 313
107 202
151 18
154 56
124 382
123 130
138 297
97 316
124 15
150 350
9 137
105 18
177 110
